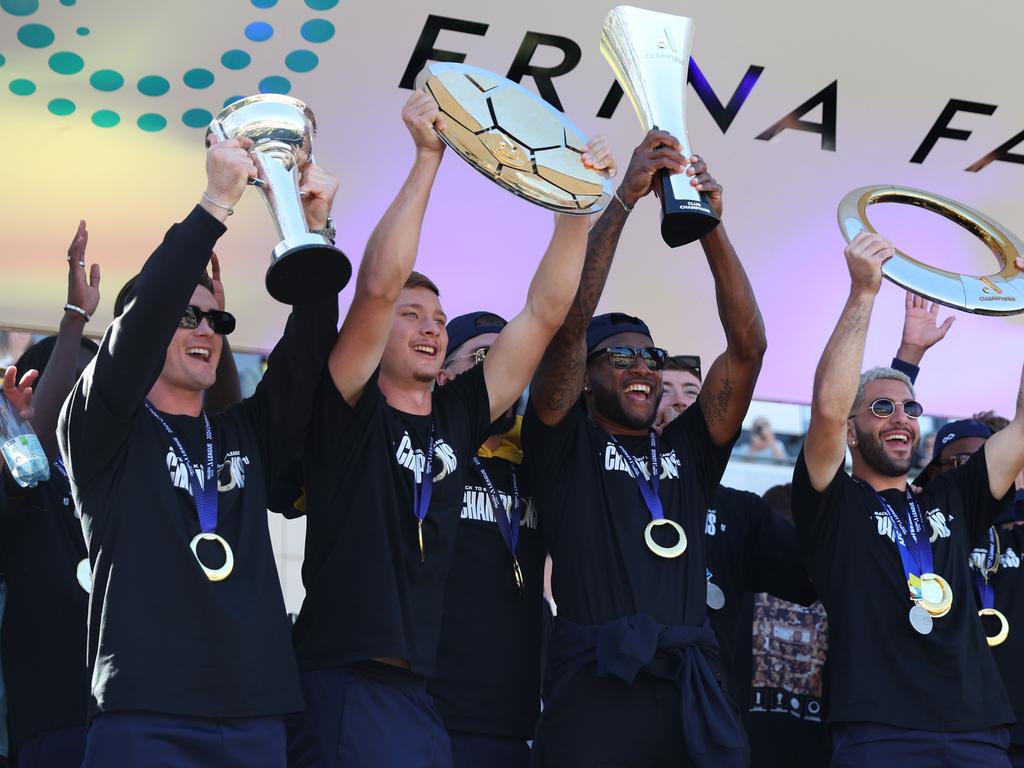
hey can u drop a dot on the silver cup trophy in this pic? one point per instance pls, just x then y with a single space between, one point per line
304 266
650 55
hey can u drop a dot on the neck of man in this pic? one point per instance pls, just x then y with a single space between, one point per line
176 401
407 396
614 428
877 480
492 443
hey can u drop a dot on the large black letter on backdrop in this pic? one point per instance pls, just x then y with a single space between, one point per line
1002 152
425 51
543 76
941 129
827 97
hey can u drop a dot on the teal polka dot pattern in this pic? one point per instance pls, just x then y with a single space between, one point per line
105 118
153 85
67 2
66 63
231 100
22 87
2 60
20 7
235 59
317 30
61 107
275 84
106 80
82 31
264 3
35 36
321 5
198 78
196 118
151 122
301 61
259 31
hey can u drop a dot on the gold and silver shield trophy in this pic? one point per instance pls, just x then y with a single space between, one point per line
1000 293
514 138
304 266
650 55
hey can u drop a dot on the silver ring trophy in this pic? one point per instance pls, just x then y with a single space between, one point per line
650 55
305 266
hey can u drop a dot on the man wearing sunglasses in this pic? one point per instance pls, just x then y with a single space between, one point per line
912 682
188 639
487 682
632 669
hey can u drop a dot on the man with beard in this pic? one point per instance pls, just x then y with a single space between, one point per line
487 683
633 674
911 681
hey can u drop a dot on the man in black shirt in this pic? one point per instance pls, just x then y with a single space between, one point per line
188 640
633 675
487 681
910 680
386 469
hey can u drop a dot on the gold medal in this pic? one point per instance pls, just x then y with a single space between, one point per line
518 573
936 595
214 574
1004 627
419 533
660 551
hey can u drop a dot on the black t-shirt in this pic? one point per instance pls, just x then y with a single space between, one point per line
489 657
368 595
1008 588
593 517
44 623
162 636
750 548
881 669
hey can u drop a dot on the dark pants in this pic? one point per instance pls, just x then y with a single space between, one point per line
143 740
779 740
871 745
368 715
52 749
1016 754
594 722
476 750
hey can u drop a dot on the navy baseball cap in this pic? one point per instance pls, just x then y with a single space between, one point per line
954 430
465 327
612 323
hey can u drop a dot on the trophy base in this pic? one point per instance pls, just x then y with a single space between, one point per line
307 272
684 220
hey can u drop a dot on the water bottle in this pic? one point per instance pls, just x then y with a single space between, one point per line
22 451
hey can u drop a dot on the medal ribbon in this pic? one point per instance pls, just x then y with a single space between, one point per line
508 522
424 488
648 488
205 494
986 591
911 538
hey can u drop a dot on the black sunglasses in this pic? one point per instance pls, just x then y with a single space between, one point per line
624 357
883 408
220 322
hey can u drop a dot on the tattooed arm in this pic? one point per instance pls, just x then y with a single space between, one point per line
559 379
838 374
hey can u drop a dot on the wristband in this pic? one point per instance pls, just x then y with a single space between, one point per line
625 207
79 310
211 201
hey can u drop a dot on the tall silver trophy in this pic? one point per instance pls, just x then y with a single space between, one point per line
304 266
650 55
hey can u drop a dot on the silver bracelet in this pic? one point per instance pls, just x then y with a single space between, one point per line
211 201
79 310
625 207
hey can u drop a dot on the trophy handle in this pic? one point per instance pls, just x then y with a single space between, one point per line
216 129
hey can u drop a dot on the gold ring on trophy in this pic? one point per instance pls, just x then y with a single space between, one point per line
1004 627
214 574
660 551
936 607
1000 293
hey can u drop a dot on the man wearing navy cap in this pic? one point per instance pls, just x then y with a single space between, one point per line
487 681
633 675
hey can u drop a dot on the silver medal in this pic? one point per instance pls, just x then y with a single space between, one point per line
920 620
84 575
716 597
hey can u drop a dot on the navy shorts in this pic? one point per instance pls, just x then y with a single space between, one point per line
872 745
145 740
63 748
368 715
474 750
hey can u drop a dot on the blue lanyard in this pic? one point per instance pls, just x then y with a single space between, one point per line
911 539
648 488
508 522
204 494
423 489
986 591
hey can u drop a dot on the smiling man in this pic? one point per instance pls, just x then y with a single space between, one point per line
912 681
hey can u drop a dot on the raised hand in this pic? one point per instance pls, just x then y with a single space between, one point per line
598 155
82 292
218 286
658 151
423 118
865 255
317 188
702 180
921 329
228 169
19 393
1019 263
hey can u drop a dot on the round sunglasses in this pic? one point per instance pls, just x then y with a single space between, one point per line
883 408
624 357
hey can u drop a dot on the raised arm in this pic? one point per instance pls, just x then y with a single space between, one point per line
838 373
559 378
1004 451
62 368
729 384
389 257
921 329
